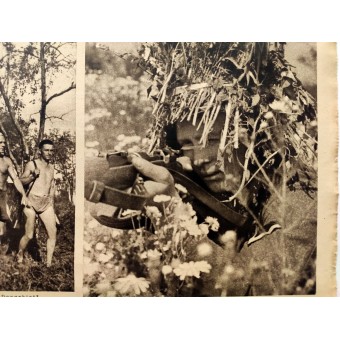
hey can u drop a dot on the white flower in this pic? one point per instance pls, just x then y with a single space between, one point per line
191 227
100 246
181 188
129 212
103 287
161 198
310 283
229 269
166 270
104 258
175 263
192 269
204 249
116 232
184 217
187 269
229 236
193 230
213 223
153 254
203 266
93 224
153 212
190 210
131 285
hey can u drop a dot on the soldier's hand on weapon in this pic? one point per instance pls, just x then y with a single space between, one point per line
36 172
25 201
161 181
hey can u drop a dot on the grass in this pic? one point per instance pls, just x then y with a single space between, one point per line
33 275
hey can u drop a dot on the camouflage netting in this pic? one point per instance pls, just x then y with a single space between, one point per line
265 105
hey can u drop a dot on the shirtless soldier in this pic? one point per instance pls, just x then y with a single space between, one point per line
7 168
39 174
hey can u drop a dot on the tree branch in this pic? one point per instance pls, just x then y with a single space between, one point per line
71 87
11 156
12 116
59 117
57 48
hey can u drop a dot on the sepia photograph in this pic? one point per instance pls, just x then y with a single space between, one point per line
37 166
201 169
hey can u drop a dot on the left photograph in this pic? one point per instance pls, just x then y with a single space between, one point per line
37 166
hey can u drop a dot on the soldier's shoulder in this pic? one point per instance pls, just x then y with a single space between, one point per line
7 160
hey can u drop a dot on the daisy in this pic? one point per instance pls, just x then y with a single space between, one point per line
181 188
192 269
161 198
166 270
153 212
131 285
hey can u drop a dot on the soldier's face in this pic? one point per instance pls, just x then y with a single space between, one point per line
217 177
47 152
2 145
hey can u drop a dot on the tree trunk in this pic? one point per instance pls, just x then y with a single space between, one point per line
43 93
10 154
13 118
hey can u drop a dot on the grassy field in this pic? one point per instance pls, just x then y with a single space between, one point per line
32 274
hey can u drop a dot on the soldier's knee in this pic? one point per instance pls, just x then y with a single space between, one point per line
52 232
30 214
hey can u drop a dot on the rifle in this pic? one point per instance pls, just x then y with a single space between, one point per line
109 176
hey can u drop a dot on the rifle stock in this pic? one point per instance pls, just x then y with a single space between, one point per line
108 179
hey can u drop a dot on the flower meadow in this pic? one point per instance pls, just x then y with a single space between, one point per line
170 256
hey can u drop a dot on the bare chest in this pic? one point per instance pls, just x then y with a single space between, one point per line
3 167
43 182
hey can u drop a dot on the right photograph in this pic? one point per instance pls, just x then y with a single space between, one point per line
201 173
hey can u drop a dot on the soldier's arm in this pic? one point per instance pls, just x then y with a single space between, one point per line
17 183
52 190
28 175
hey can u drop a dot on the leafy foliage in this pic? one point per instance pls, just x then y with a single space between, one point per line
28 73
26 70
265 105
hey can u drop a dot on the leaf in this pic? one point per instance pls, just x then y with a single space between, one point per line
234 62
147 53
255 99
251 74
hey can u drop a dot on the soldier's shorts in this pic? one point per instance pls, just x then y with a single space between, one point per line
40 203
